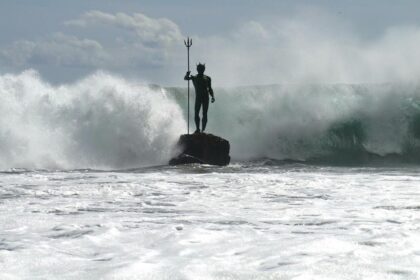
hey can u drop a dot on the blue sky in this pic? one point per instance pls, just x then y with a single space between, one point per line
242 41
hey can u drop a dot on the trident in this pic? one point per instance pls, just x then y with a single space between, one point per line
188 44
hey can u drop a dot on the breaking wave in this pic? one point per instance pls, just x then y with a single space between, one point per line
101 121
319 123
104 121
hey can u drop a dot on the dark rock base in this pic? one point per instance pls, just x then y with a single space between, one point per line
202 148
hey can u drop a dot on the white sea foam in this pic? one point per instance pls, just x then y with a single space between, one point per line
202 222
101 121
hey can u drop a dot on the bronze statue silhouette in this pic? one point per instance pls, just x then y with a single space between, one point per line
202 85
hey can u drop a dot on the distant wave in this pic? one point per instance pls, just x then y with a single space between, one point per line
319 123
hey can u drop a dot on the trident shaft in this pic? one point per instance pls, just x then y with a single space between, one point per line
188 44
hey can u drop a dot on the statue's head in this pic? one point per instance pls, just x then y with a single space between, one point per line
201 68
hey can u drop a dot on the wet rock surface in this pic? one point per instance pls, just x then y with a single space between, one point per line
202 148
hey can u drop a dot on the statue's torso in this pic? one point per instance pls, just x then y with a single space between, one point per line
201 85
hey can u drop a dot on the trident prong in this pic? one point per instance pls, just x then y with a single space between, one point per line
188 43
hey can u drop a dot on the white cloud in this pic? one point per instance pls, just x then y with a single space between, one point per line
58 49
146 42
311 48
155 30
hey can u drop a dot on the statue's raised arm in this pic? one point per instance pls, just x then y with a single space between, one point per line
188 76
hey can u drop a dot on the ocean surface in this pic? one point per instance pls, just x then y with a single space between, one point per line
245 221
324 182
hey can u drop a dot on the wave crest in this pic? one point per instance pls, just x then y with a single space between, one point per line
101 121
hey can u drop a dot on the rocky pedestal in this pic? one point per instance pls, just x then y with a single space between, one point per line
202 148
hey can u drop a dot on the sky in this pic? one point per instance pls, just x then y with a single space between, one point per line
242 42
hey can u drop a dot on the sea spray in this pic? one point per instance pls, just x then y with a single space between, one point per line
101 121
107 122
307 121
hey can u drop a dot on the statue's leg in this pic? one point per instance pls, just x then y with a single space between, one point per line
197 114
205 109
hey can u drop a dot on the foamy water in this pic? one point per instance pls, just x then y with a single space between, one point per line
201 222
255 219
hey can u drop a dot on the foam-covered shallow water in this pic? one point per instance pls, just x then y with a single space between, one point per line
200 222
